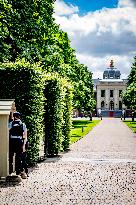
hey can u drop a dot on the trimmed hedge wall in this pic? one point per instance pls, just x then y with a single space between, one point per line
58 94
53 117
45 102
67 124
25 83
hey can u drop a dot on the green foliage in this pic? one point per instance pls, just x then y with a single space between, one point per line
83 93
53 117
58 93
28 31
29 85
67 109
129 96
24 82
26 28
132 75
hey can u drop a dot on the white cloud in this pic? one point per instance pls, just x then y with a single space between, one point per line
97 64
62 8
127 3
101 35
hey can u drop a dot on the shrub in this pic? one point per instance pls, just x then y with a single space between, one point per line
45 103
24 82
58 107
67 111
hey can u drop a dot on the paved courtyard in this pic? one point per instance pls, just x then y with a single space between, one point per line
100 169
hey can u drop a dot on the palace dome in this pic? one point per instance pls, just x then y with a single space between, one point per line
117 74
111 72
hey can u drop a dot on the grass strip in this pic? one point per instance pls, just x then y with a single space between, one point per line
131 125
81 128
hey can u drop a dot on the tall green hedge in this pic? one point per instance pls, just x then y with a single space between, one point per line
53 117
24 82
45 102
58 93
67 120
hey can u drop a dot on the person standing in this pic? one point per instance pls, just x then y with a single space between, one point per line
124 114
99 112
17 143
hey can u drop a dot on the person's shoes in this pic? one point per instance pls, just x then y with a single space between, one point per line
23 175
13 178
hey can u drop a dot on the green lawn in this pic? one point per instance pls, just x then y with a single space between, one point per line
131 125
81 128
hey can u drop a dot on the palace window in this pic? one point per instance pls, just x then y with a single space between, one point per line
111 93
102 93
120 93
120 105
102 104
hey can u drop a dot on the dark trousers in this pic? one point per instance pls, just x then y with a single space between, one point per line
15 147
24 162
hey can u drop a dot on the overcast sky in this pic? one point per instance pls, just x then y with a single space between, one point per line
100 30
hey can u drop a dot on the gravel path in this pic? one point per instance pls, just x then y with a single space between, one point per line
100 169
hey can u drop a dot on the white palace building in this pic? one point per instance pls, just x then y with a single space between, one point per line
108 92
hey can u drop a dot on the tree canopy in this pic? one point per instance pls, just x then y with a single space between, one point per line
28 30
129 96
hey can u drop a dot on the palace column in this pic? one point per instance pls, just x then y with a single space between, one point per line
98 98
116 99
107 99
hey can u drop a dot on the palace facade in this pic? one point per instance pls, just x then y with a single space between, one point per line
108 92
